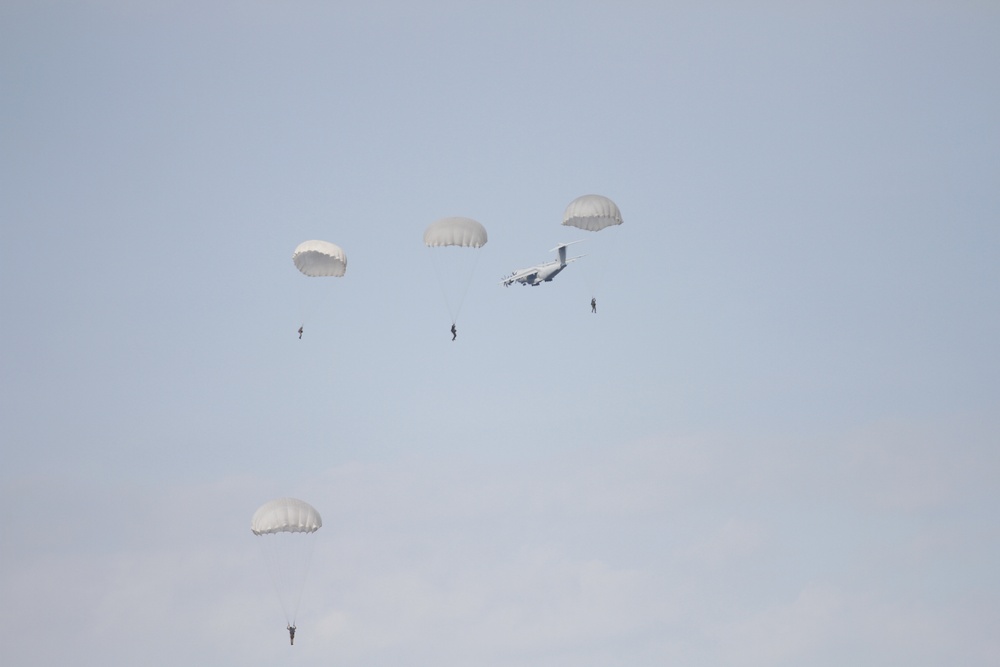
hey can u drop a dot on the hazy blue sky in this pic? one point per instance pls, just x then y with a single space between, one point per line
776 443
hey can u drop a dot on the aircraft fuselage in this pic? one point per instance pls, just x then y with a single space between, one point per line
541 273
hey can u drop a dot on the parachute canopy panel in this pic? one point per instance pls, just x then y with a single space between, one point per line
319 259
592 213
285 515
462 232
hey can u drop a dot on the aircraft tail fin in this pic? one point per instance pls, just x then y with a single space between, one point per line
561 248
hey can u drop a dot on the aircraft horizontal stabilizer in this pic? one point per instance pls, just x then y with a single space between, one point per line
563 245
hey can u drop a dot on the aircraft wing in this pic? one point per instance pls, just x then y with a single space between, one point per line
524 276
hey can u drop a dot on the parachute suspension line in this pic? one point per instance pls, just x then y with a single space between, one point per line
454 301
590 282
317 299
595 270
441 284
302 580
271 564
288 569
285 527
607 255
465 288
302 298
599 215
317 259
445 237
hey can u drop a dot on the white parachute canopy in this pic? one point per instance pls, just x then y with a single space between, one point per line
592 213
285 528
454 245
285 515
463 232
318 259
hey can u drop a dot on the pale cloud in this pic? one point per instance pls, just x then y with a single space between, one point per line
825 624
776 443
915 466
733 539
695 549
787 634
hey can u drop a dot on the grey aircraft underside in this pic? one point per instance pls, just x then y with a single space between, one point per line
542 273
